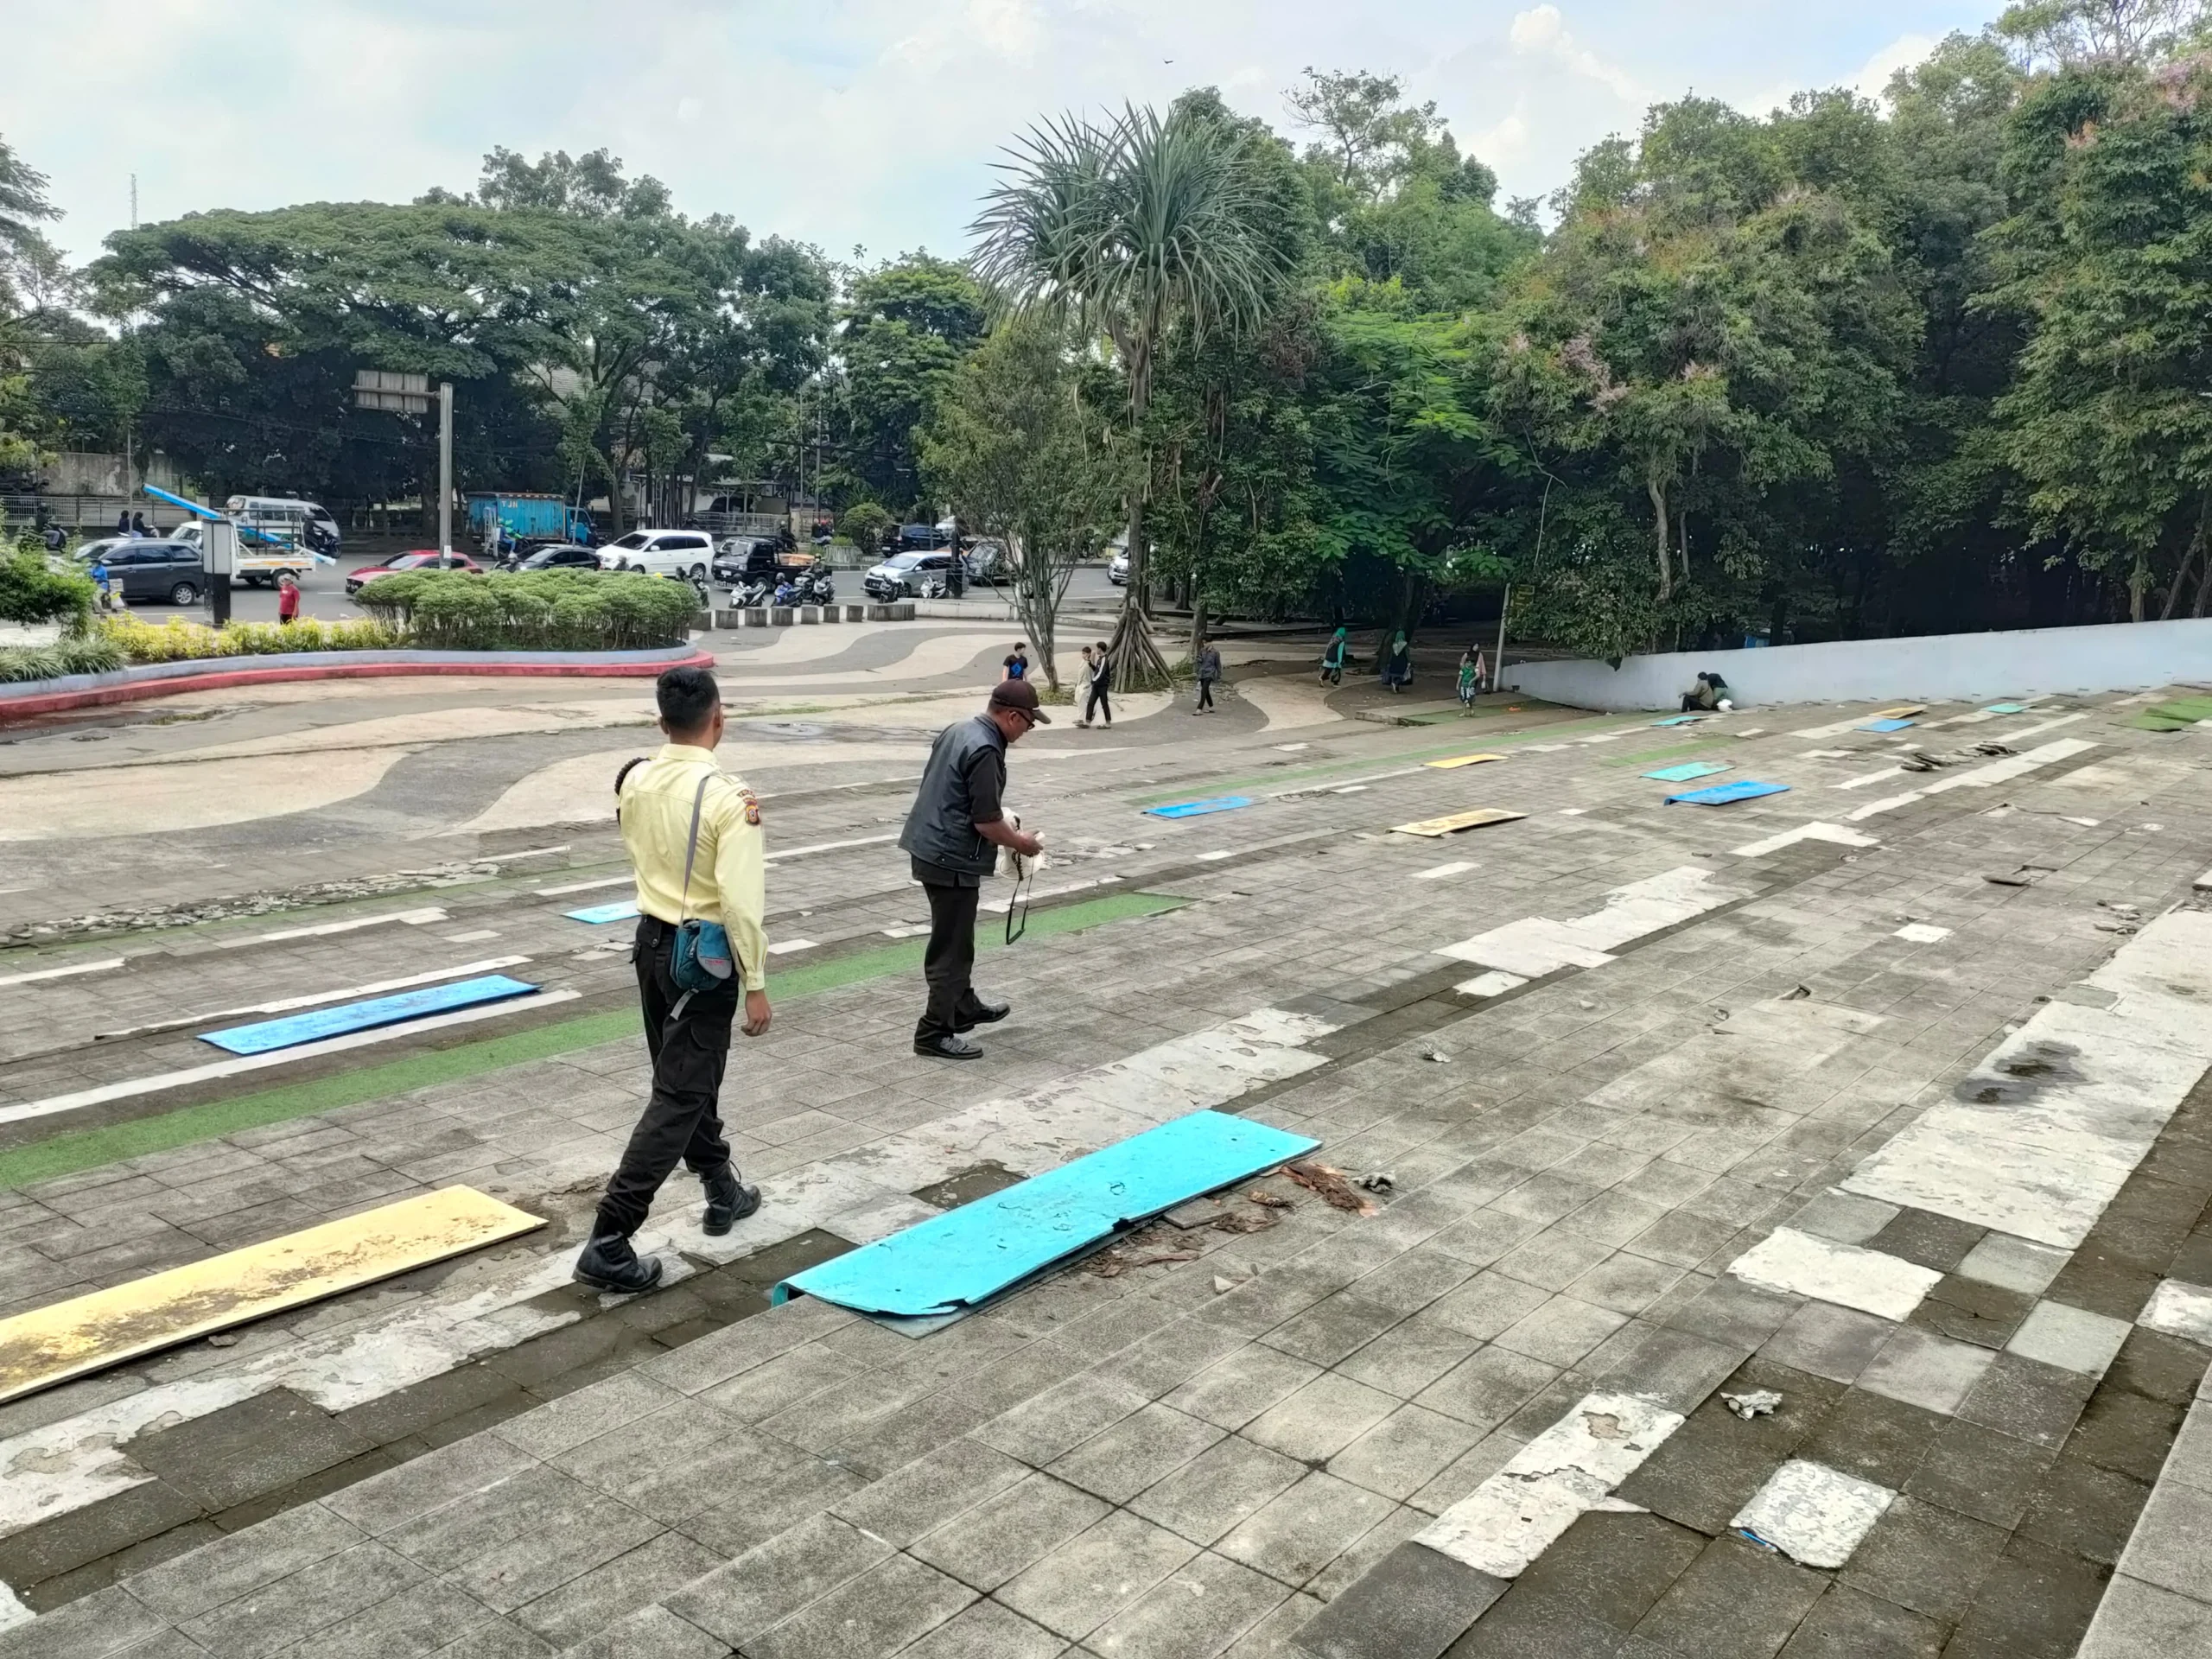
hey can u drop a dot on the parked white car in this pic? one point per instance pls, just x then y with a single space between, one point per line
661 553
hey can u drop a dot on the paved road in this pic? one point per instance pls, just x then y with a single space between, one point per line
325 590
1672 1101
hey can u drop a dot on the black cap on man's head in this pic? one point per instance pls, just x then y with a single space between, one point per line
1020 694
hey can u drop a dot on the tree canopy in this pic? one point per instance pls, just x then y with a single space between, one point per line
1936 360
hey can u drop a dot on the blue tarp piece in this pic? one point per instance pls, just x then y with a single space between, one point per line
1200 808
967 1256
2006 709
597 913
1744 789
1885 726
1687 770
1679 720
349 1017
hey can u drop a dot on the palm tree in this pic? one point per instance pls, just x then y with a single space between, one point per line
1133 228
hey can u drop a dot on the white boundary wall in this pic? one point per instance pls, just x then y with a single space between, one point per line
1942 667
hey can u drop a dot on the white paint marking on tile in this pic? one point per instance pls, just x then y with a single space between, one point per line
2038 730
1873 1281
2202 881
315 999
2072 1338
473 936
1492 984
105 965
1545 748
1827 754
2179 1310
1215 856
12 1610
999 906
1866 778
1838 729
411 917
1536 945
1753 731
1438 872
1922 933
905 931
1813 1514
1569 1469
1834 833
584 886
1572 811
1997 771
1292 748
832 847
160 1081
1349 789
2086 823
783 945
2039 1138
1602 737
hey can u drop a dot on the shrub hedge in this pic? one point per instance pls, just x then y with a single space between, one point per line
31 592
77 654
179 641
533 610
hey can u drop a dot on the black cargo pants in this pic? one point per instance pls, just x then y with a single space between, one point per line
689 1053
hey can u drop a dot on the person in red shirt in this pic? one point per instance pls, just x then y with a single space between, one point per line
287 599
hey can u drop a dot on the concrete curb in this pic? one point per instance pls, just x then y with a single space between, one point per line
34 698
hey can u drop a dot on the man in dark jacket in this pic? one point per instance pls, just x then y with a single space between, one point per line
953 833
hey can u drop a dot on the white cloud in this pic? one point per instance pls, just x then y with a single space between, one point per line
843 120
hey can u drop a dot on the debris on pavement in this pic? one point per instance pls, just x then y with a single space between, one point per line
1755 1402
1267 1200
1330 1186
1378 1182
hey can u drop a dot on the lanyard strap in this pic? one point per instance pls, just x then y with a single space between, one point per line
691 852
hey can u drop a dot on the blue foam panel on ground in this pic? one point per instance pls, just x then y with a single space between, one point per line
1680 719
1200 808
1885 726
349 1017
2006 709
1744 789
596 914
966 1257
1687 770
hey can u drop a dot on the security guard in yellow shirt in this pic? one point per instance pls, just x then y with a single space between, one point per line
698 854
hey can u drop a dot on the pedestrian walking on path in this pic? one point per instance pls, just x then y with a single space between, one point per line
1097 685
1472 675
953 834
288 600
694 836
1398 663
1335 655
1209 666
1017 662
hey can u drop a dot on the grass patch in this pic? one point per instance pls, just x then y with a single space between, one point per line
2177 716
65 1155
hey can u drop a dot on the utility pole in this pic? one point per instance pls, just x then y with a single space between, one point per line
445 473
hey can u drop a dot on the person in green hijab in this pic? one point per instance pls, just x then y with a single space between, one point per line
1398 663
1334 656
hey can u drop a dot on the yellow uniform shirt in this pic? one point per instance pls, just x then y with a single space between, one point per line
728 875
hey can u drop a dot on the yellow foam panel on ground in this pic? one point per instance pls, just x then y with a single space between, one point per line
1903 711
1455 762
90 1333
1459 821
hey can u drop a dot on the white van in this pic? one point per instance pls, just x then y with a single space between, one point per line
304 521
661 552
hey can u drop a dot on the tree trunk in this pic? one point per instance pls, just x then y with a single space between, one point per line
2203 530
1138 665
2139 582
1658 493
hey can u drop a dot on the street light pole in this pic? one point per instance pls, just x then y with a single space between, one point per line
445 473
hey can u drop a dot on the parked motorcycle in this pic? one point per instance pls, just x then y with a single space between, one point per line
752 594
816 586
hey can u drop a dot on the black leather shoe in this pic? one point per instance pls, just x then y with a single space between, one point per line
609 1264
729 1200
947 1048
982 1014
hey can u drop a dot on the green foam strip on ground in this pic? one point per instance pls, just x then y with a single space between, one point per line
65 1155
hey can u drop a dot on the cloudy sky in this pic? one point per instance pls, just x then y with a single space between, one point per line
840 122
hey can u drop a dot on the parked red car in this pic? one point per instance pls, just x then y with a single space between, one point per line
419 560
